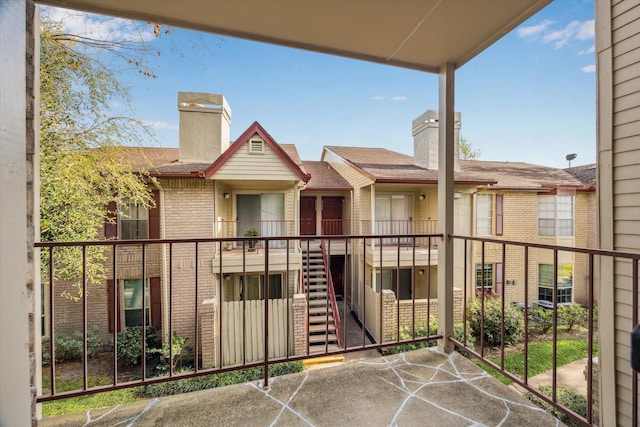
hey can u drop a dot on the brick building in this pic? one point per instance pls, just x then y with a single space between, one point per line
211 188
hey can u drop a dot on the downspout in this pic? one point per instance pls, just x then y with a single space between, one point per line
166 334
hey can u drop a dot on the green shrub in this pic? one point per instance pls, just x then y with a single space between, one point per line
420 331
569 398
458 334
572 315
513 320
129 344
166 355
218 380
540 319
69 347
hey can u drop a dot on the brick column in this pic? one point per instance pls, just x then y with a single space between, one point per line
208 333
300 331
389 315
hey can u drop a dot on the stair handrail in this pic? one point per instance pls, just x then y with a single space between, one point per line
332 293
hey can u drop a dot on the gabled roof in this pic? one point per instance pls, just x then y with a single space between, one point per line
523 176
254 129
386 166
325 178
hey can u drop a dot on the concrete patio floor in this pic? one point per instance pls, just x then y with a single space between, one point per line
421 388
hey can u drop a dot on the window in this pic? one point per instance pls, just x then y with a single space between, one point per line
388 279
134 222
393 216
555 216
484 214
262 212
132 296
488 278
255 287
565 283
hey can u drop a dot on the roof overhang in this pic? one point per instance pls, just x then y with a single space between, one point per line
417 34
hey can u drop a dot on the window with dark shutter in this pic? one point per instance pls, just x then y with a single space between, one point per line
156 302
154 216
113 306
111 223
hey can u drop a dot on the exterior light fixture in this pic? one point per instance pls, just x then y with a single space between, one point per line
422 197
227 277
457 195
226 195
421 272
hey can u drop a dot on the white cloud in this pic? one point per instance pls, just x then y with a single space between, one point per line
532 30
159 124
99 27
378 98
398 98
589 51
545 31
589 68
587 30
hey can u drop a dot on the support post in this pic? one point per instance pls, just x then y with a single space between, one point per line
446 151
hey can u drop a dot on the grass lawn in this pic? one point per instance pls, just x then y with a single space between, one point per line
85 403
185 385
541 358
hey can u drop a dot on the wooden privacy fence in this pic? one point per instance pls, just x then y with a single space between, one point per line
243 340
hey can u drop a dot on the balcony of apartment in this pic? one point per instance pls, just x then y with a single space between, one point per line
262 331
410 242
243 243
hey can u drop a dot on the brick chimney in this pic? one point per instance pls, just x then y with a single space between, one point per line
425 140
205 121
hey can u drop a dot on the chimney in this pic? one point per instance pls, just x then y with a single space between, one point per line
425 140
205 120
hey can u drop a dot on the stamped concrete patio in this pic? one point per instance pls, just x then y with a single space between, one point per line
421 388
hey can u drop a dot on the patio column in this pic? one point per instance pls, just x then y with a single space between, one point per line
15 296
446 149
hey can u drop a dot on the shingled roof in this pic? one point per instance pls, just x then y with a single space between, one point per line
383 165
324 177
585 173
520 175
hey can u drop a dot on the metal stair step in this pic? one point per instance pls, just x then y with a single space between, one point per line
322 328
318 294
323 338
321 348
319 310
322 318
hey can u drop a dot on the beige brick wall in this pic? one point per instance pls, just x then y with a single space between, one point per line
208 334
413 312
300 330
520 223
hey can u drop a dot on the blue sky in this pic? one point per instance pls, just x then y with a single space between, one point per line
529 97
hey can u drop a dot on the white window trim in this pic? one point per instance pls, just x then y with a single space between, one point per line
556 218
484 217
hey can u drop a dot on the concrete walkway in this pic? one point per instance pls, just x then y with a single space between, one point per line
570 376
419 388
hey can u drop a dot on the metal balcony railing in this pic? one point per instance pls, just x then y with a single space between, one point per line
190 289
254 228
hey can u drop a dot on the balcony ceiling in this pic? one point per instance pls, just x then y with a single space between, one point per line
417 34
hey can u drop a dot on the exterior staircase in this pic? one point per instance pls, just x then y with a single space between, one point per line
322 330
